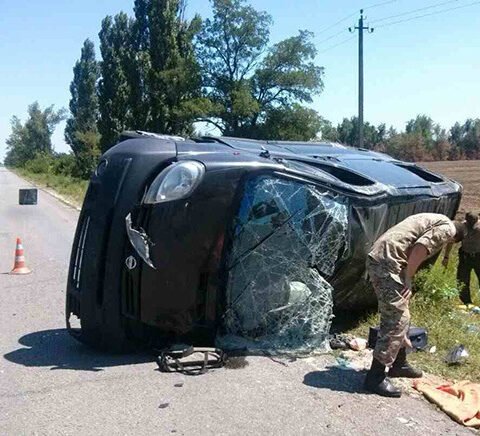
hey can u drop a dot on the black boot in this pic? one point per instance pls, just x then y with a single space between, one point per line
401 367
378 383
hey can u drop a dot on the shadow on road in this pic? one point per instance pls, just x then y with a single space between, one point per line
336 379
57 349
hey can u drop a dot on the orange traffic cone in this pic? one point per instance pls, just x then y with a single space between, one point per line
19 266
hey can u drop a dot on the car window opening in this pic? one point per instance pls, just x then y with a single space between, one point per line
345 175
420 172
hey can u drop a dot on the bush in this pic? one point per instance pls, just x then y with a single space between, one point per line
85 164
437 283
64 164
42 163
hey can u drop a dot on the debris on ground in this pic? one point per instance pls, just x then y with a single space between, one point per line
469 308
190 360
340 342
461 401
347 342
457 355
354 360
236 362
346 364
407 422
472 328
358 344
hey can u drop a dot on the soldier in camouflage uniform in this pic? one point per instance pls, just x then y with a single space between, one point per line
468 256
392 263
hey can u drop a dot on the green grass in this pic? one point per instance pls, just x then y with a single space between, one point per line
435 308
70 188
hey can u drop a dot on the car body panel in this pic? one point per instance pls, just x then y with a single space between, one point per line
191 239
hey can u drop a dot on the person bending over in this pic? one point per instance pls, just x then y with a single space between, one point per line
392 262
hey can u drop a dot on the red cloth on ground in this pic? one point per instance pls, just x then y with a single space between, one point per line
461 401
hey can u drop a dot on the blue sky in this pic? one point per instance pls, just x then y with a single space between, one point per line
430 65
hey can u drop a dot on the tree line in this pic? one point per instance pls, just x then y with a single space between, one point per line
159 71
422 139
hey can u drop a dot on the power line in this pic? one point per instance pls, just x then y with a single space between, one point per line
353 14
376 5
336 45
347 18
436 5
428 15
336 24
377 21
331 37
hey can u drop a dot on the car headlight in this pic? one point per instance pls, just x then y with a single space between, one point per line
175 182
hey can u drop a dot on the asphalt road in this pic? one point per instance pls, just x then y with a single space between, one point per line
49 384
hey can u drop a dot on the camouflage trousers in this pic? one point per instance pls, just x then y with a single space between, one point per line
394 317
466 263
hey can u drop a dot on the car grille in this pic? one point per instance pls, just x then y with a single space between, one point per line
79 252
130 306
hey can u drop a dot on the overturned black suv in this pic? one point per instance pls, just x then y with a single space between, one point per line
231 240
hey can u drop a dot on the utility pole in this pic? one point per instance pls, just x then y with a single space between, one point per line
360 29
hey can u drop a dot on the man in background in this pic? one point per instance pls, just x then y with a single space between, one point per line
392 262
468 256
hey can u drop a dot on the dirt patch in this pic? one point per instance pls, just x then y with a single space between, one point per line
238 362
465 172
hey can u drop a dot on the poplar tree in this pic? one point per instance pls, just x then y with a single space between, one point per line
150 79
114 88
81 131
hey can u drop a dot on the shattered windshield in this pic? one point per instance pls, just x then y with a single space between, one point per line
287 239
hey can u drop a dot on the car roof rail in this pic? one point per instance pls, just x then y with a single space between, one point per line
129 134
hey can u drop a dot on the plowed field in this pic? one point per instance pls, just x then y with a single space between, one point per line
467 173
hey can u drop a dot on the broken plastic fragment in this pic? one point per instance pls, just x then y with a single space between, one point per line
472 328
139 240
457 354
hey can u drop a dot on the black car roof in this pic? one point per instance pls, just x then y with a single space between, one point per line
355 166
311 149
359 169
